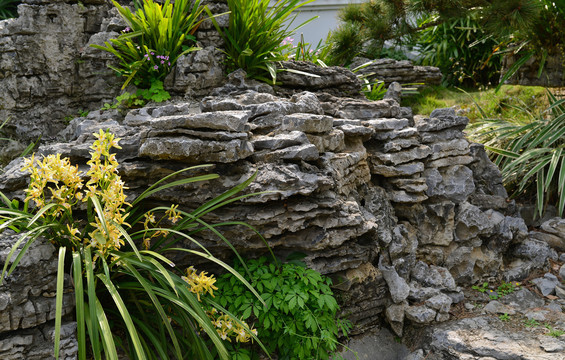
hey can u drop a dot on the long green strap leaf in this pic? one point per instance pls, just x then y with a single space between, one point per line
125 316
79 304
59 298
94 321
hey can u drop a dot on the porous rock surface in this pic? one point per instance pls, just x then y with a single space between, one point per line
400 71
384 203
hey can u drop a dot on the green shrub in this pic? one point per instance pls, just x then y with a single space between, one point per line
461 49
255 36
530 154
156 36
298 320
122 292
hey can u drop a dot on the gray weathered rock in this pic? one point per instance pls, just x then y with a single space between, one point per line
454 182
398 287
546 285
420 314
522 299
482 338
403 72
333 80
440 303
496 307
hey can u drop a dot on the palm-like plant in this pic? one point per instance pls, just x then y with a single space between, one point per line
530 155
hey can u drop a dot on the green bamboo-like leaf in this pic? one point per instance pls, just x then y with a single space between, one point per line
540 192
128 239
125 315
106 332
35 233
151 189
93 319
59 298
552 167
40 213
502 152
512 70
155 341
101 217
158 307
79 304
561 187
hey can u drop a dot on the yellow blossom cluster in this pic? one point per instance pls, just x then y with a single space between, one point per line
199 284
55 176
228 328
151 222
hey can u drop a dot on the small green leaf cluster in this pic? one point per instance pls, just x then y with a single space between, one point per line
556 333
298 319
531 323
127 100
504 289
504 317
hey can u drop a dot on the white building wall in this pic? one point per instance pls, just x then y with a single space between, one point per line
318 29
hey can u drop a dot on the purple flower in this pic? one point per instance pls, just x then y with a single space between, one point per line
152 53
146 55
169 63
162 61
155 67
127 29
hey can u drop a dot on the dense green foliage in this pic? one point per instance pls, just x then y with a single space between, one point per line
256 33
462 50
298 318
8 8
471 33
127 298
156 36
530 154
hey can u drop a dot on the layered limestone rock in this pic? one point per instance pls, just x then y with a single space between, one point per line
403 72
49 72
27 304
392 207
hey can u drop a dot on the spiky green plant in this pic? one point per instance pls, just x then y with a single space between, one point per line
255 35
531 154
156 36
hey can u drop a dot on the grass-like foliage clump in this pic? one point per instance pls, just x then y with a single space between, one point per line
530 154
128 299
256 33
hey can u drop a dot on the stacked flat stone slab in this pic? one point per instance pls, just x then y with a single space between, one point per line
375 198
403 72
27 304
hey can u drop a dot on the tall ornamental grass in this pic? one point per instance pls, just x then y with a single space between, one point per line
530 154
256 33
